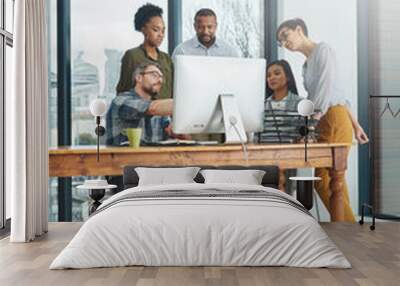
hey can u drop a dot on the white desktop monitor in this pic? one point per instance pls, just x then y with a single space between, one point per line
198 84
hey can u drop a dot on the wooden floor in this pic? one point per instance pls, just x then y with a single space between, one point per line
374 255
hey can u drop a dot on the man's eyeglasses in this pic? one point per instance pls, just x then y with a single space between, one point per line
154 74
283 36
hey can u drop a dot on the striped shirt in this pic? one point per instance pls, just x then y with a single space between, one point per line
128 110
281 119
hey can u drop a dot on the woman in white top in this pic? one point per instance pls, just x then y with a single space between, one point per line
336 122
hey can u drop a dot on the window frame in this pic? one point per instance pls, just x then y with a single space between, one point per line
6 39
364 156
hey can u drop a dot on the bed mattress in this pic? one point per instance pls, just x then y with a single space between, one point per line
201 225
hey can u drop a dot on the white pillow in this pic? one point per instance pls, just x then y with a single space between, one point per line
162 176
248 177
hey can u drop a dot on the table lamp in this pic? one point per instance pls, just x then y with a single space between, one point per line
305 185
305 108
98 108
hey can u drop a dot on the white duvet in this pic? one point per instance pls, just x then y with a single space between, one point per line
183 231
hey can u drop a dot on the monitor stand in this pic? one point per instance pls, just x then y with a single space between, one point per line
234 129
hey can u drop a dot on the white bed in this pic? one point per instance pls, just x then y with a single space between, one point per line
222 225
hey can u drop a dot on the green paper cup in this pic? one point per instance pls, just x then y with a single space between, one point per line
134 135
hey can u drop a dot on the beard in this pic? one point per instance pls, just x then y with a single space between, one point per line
207 39
153 89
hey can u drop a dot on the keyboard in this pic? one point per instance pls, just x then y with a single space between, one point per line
179 142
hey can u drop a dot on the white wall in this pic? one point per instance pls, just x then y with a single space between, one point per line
333 22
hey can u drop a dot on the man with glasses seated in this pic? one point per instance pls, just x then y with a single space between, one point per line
136 109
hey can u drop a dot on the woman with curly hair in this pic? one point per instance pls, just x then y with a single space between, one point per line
148 20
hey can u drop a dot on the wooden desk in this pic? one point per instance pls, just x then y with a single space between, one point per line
81 161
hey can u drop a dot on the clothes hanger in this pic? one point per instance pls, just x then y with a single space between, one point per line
387 107
397 113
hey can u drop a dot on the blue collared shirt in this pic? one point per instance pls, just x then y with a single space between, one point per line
128 110
193 47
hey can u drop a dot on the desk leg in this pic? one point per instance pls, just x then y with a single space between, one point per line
336 203
337 174
282 180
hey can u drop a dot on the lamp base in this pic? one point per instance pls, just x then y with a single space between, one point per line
305 187
304 193
96 195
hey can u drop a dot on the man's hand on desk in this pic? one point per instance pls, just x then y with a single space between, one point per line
171 134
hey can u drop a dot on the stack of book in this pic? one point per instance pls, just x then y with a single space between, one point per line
283 126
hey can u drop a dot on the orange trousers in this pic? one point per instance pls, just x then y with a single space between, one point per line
334 127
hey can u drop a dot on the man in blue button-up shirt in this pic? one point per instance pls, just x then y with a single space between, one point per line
205 43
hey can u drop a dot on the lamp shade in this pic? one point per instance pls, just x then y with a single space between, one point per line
98 107
305 107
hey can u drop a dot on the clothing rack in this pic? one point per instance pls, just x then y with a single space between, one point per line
373 146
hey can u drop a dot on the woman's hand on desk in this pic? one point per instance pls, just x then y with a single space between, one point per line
317 116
